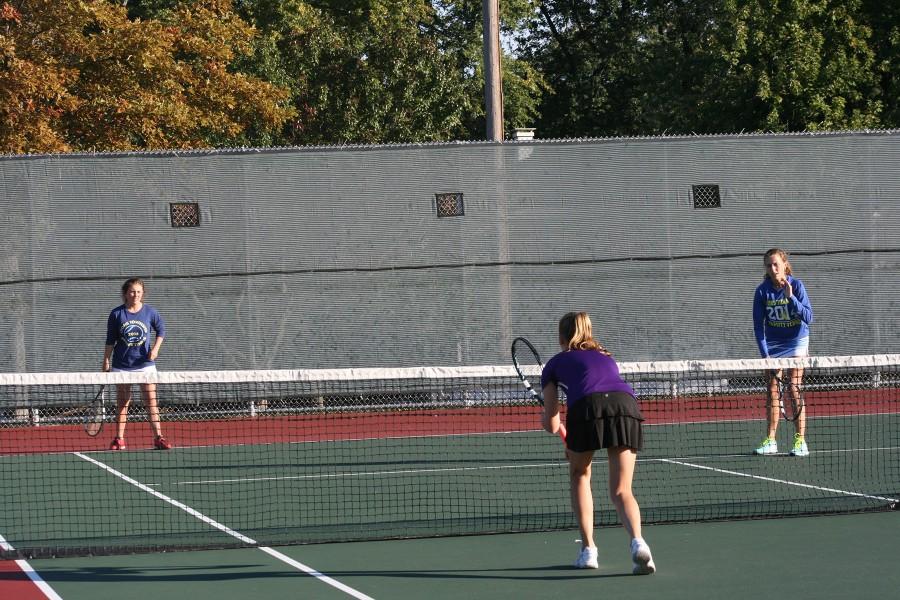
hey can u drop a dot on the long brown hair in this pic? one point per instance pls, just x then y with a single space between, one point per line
780 254
576 333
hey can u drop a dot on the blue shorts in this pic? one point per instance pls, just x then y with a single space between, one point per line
789 349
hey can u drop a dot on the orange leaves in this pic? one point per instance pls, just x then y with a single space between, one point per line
82 76
9 14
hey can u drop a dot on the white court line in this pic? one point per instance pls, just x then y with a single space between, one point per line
349 474
754 457
784 481
213 523
31 573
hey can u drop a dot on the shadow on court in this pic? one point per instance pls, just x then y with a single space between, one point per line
846 556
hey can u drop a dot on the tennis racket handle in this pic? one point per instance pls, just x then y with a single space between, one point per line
562 431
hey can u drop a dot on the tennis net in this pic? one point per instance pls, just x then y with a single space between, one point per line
306 456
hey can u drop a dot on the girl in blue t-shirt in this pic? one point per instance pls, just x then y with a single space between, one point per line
128 348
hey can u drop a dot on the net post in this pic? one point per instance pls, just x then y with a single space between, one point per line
876 379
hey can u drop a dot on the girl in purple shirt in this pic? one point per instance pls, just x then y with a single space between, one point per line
601 413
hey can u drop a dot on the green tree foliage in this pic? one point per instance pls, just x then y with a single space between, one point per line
370 71
359 71
79 75
683 76
459 27
141 74
884 20
584 50
617 67
800 64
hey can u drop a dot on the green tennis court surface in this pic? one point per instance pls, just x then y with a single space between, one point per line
279 493
274 458
831 557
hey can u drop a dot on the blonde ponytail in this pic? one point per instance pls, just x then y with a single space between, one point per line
576 333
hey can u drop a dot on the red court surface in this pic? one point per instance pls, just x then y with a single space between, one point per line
316 427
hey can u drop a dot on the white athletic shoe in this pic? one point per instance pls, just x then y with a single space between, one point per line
641 558
587 559
800 448
768 446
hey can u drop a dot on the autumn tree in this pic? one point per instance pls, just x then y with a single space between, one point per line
101 81
33 91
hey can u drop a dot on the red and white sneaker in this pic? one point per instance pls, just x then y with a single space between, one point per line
160 443
117 444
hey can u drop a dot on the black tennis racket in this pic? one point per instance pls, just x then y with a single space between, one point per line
95 412
527 360
790 397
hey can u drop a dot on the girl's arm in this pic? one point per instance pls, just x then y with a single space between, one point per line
759 324
800 302
550 416
154 350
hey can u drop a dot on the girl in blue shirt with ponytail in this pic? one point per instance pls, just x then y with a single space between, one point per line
781 318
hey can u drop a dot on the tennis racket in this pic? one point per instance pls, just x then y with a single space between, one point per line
790 398
525 357
95 412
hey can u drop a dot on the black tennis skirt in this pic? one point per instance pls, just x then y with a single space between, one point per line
604 420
